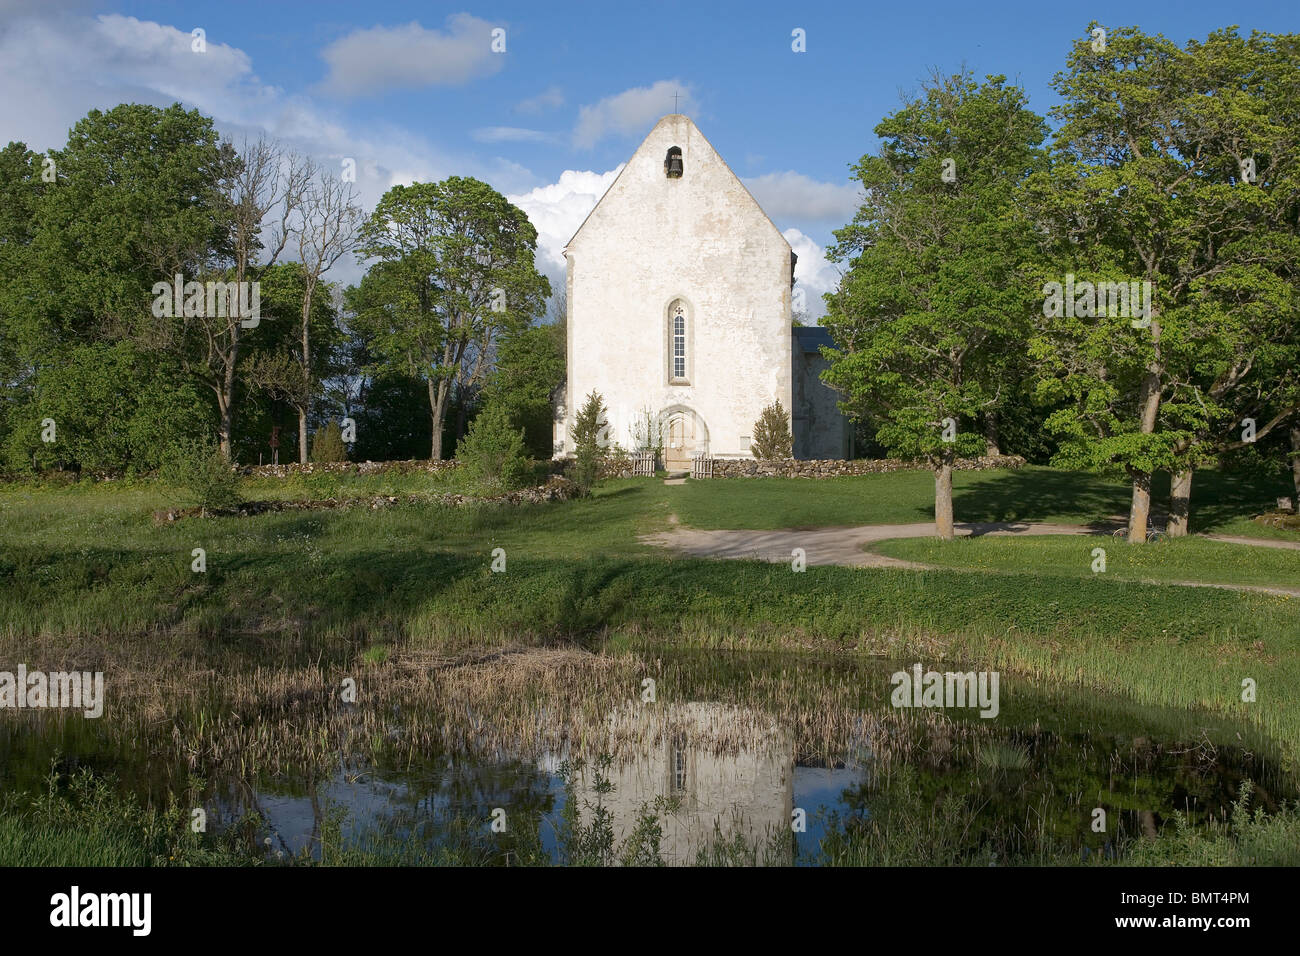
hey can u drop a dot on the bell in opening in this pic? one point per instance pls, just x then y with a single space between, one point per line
673 163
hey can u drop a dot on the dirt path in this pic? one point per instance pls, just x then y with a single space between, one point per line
845 545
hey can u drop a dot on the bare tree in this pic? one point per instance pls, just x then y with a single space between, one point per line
325 231
266 183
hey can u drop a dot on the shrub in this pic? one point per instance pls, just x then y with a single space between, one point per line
772 437
648 434
588 436
327 445
492 452
202 476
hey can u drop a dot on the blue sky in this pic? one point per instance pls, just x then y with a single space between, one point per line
413 90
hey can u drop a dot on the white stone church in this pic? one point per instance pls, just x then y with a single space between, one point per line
679 290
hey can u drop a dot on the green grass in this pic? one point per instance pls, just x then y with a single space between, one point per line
1177 560
1221 502
85 567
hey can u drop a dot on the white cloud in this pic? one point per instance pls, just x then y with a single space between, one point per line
792 195
632 111
65 65
508 134
550 98
812 273
380 59
558 210
68 66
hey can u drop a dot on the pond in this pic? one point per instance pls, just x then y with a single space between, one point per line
655 755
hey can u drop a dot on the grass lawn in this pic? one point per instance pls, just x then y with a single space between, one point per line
1221 503
1185 559
85 574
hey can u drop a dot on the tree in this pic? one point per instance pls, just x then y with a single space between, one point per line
529 371
932 303
772 438
1144 188
138 197
455 268
327 445
134 198
493 451
21 186
273 365
115 409
1234 376
588 437
265 180
324 232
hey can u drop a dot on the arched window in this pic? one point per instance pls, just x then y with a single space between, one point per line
677 341
673 163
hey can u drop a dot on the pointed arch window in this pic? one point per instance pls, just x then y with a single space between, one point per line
679 343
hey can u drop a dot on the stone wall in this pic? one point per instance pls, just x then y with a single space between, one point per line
348 468
796 468
555 489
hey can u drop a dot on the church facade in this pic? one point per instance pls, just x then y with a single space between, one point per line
679 312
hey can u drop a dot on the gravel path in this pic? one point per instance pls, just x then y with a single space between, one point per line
845 545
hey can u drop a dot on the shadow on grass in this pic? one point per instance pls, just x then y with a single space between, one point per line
1043 494
1040 494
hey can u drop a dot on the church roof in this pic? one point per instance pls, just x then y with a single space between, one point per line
811 338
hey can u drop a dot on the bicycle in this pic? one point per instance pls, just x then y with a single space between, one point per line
1153 535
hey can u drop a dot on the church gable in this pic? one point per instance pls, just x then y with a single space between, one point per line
679 299
679 185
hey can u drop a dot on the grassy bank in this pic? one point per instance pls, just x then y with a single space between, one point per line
83 569
1185 559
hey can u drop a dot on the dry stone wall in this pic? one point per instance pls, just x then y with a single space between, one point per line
797 468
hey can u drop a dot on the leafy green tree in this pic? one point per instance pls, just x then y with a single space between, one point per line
588 435
932 303
1145 186
327 444
529 370
21 187
454 270
271 364
114 408
492 451
137 198
772 438
1234 376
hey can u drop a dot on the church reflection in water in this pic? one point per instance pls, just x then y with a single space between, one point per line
730 770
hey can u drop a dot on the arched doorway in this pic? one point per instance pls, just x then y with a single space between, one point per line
685 436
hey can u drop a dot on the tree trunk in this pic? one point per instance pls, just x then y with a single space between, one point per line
1180 503
992 447
307 294
1295 462
226 396
1149 406
438 413
1140 507
943 497
226 426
